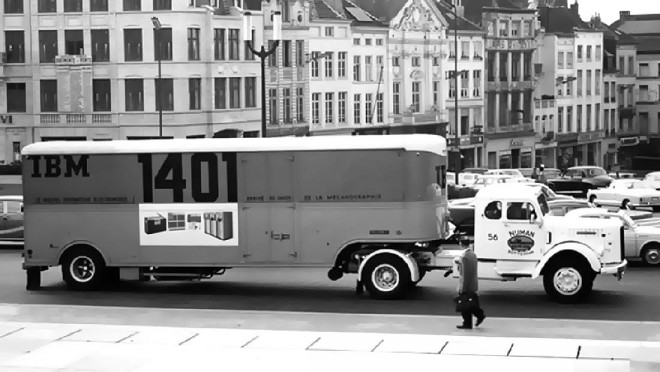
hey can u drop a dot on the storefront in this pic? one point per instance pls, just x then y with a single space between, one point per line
546 154
568 151
505 153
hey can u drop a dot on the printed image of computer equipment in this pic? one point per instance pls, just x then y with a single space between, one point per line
155 224
176 221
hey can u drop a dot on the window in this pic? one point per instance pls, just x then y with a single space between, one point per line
503 67
250 92
301 105
286 105
341 103
329 104
631 65
644 69
234 93
73 5
48 95
100 46
503 29
286 11
379 67
396 62
341 64
476 83
163 44
234 50
316 108
416 96
368 108
15 46
436 93
368 68
101 92
597 79
16 147
134 94
272 59
367 42
219 37
569 59
579 83
436 61
356 41
14 6
356 68
597 114
560 59
272 98
300 53
16 97
286 53
193 44
452 85
329 64
520 211
329 31
379 42
644 93
379 108
98 6
315 65
47 6
396 98
132 5
588 53
515 28
493 210
465 79
166 92
560 120
465 50
73 42
579 53
416 61
491 66
599 51
578 115
194 93
588 82
569 119
162 4
133 44
477 53
220 93
47 46
357 111
588 126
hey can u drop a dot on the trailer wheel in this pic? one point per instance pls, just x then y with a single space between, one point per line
386 277
83 269
568 282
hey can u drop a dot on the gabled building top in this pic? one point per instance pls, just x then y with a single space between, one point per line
474 9
561 20
642 24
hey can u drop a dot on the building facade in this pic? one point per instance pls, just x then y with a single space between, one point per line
80 70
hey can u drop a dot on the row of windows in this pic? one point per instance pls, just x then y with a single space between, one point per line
76 6
226 45
565 85
288 111
323 108
499 66
581 111
230 93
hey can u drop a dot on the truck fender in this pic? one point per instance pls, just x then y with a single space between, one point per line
80 242
412 264
580 248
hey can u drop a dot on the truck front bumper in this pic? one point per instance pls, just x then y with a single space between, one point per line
615 269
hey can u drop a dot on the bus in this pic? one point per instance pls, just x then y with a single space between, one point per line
182 209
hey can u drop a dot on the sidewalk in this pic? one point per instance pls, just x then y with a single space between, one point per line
28 346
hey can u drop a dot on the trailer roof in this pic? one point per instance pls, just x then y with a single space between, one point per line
409 142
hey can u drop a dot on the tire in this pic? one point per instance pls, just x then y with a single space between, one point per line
386 277
84 269
592 199
651 255
625 204
577 287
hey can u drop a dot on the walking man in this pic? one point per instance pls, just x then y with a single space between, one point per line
468 287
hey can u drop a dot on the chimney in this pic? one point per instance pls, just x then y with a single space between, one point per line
575 8
624 14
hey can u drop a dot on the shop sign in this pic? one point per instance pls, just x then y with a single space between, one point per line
629 141
476 140
6 119
517 143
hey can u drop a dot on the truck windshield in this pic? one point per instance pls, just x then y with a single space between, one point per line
545 208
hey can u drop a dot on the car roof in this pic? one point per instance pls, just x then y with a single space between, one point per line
585 167
503 191
408 142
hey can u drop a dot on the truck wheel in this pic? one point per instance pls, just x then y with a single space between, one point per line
568 283
651 255
83 269
386 277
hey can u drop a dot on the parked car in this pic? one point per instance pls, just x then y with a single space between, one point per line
486 180
467 179
515 174
475 170
549 194
626 193
622 175
653 180
579 180
11 224
451 178
641 242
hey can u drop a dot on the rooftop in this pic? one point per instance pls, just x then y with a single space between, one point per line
639 24
560 20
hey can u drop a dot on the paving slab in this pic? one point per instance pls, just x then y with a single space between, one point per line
546 348
348 342
478 346
283 340
94 333
412 344
160 336
54 355
221 338
50 332
120 357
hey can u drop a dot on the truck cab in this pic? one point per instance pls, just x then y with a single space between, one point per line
516 237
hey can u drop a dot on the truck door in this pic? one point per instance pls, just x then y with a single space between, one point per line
282 210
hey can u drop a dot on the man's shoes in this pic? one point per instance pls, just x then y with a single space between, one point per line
480 320
462 326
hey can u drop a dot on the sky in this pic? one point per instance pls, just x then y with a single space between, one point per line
609 9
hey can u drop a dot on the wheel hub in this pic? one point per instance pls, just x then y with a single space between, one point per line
82 269
567 281
385 277
653 256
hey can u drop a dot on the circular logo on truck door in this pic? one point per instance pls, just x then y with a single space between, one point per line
520 243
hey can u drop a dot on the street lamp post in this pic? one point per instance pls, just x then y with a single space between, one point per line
457 139
263 54
157 29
